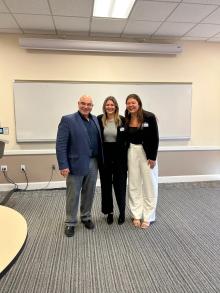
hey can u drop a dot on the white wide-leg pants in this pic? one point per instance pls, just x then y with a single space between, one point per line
142 185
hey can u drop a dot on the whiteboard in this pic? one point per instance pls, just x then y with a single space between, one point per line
40 105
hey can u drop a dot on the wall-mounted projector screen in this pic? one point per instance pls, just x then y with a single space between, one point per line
40 105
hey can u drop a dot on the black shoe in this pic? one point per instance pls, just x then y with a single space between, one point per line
121 220
89 224
110 219
69 231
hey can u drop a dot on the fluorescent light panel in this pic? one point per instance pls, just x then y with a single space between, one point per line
112 8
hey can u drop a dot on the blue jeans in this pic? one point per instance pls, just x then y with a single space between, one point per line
84 186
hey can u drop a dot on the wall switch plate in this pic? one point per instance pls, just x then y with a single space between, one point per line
6 130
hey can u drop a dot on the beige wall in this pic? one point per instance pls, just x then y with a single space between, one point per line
199 63
171 163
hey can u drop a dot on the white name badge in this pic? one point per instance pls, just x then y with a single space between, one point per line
145 124
122 129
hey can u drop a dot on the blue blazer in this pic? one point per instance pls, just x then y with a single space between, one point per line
73 145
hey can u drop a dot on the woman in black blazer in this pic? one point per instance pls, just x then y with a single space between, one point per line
143 140
113 172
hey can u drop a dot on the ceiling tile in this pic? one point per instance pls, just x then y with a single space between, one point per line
10 30
154 11
7 21
204 30
214 40
141 27
3 8
35 23
71 24
213 18
176 1
80 8
217 35
171 38
191 12
28 6
106 25
174 29
149 19
215 2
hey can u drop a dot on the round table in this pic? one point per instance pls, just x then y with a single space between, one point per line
13 234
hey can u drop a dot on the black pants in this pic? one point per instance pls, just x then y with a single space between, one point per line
113 173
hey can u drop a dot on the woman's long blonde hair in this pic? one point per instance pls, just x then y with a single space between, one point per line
117 118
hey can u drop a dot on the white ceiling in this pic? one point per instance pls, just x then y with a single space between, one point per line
148 20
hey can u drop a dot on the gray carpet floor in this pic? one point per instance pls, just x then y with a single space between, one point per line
178 253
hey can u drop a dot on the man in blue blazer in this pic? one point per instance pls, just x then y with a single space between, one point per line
78 149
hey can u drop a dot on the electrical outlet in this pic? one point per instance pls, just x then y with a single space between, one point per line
53 167
4 168
23 168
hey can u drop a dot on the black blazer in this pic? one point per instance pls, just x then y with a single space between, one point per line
150 135
120 129
120 138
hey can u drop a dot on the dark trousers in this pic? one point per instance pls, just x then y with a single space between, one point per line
113 174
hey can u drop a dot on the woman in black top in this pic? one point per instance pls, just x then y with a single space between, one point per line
113 173
143 140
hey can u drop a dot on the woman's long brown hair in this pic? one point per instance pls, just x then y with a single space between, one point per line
140 113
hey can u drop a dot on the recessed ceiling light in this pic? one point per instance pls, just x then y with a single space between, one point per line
112 8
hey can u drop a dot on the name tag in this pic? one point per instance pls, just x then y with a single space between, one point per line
145 124
122 129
